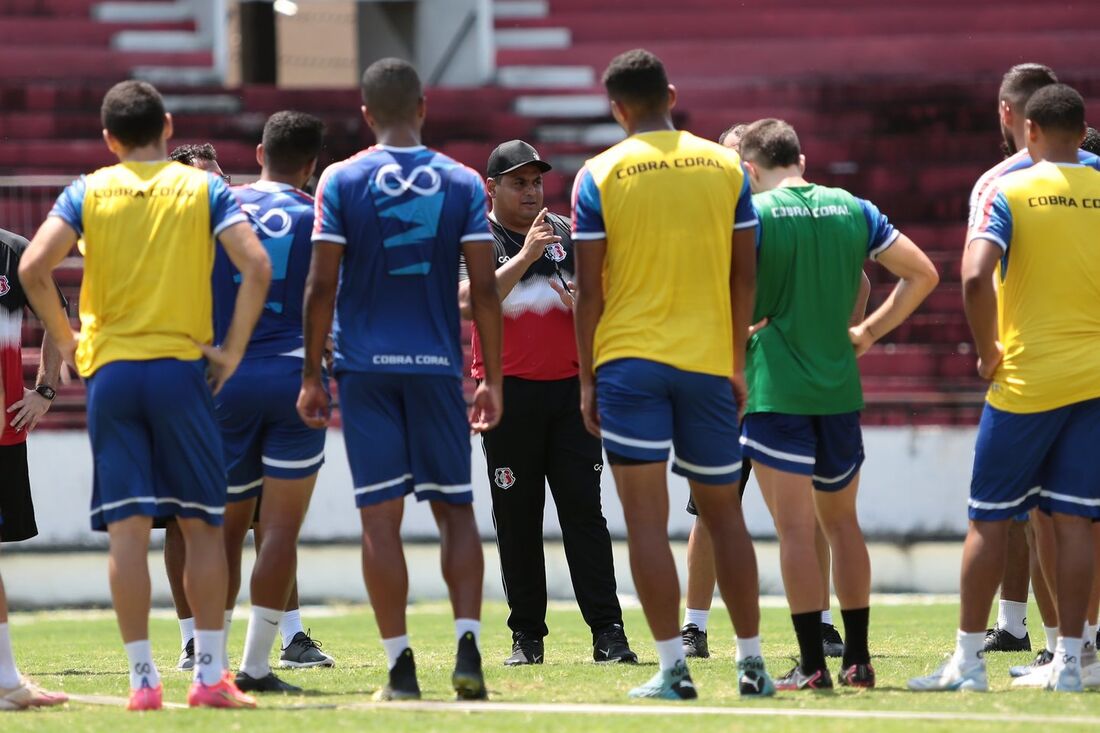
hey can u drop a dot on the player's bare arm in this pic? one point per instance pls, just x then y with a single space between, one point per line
860 311
589 297
486 313
251 260
320 300
980 301
917 277
50 246
742 300
29 410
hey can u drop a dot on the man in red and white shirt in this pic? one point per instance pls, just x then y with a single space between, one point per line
541 438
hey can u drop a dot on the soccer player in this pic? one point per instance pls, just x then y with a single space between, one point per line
144 227
801 426
1037 334
268 448
542 437
390 225
700 552
665 247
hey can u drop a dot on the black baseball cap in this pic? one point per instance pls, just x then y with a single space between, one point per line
514 154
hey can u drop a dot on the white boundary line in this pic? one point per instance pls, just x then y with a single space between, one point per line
108 700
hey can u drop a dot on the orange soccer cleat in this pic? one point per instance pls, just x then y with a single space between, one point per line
224 694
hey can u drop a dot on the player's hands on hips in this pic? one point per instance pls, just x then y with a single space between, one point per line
565 292
487 408
313 404
220 365
28 411
757 326
68 349
740 392
862 339
589 409
539 237
987 365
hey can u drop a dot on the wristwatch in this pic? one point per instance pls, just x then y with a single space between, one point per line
46 391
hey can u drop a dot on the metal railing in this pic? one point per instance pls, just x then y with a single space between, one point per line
26 200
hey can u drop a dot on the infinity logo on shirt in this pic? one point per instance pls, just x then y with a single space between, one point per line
390 181
283 220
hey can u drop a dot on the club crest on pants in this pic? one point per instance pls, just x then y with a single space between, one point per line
504 478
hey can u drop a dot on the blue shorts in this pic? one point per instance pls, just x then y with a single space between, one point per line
1046 459
647 408
156 447
828 448
261 429
406 433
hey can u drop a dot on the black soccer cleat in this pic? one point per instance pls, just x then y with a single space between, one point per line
526 649
402 684
832 644
267 683
796 679
468 680
857 675
611 646
1000 640
695 642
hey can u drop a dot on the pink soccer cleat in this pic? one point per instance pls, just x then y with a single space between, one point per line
224 694
29 695
146 698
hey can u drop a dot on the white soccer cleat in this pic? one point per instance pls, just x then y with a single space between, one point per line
1066 676
1090 676
1037 678
951 676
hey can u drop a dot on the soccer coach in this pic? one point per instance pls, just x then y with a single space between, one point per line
541 438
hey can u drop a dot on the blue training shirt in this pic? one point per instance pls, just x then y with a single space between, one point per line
402 215
282 217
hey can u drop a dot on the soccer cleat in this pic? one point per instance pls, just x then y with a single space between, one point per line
1038 677
612 646
831 641
753 679
951 676
1001 640
402 684
668 684
1088 655
1042 659
187 657
146 697
1090 676
796 679
29 695
1066 677
268 683
468 680
857 675
526 649
223 694
695 642
303 652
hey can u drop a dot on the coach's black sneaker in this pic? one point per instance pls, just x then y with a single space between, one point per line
267 683
796 679
611 645
303 652
695 642
468 681
187 657
1042 659
402 684
526 649
857 675
1000 640
831 641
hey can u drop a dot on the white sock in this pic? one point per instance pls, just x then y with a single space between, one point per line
187 631
394 646
1068 649
1052 637
208 661
290 626
670 651
263 626
9 673
969 647
1090 633
142 669
225 639
471 625
1012 617
827 617
697 616
749 647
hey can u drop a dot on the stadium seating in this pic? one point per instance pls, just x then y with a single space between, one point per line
894 102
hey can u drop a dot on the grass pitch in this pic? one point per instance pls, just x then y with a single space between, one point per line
80 653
